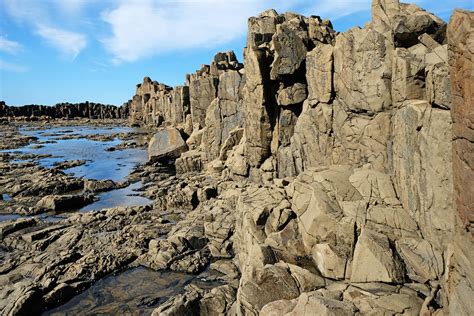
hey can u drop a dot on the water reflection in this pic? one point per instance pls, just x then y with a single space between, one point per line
121 197
101 164
133 292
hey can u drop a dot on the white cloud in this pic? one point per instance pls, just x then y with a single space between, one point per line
142 28
6 66
10 47
69 43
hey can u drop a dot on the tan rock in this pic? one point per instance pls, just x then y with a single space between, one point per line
290 51
319 73
362 68
460 41
292 95
166 144
374 260
310 303
421 152
423 261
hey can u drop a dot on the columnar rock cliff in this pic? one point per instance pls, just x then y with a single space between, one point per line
65 110
352 154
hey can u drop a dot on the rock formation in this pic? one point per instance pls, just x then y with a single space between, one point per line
65 110
352 136
331 174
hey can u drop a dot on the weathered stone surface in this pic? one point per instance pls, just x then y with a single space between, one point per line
319 73
201 92
328 236
290 51
154 103
421 151
383 301
224 114
190 161
308 304
408 76
438 85
362 70
422 260
258 108
166 144
64 202
374 260
292 95
99 186
461 65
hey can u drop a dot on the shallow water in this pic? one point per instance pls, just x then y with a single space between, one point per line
121 197
101 164
133 292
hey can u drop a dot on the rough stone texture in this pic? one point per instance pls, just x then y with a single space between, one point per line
307 304
224 113
292 95
290 51
166 144
362 70
319 178
422 149
461 65
201 92
319 73
374 260
408 79
154 103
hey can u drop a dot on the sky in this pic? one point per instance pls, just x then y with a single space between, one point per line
55 51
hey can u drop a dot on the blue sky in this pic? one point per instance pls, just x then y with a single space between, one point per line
97 50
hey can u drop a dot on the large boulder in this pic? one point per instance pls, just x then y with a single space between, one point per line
167 144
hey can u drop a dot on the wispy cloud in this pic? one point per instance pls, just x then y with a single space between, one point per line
11 67
43 15
10 47
69 43
142 28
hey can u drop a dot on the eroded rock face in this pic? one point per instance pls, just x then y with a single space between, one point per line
319 178
461 61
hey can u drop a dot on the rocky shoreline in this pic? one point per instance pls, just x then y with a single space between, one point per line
329 174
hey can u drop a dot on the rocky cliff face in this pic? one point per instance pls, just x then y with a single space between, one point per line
352 154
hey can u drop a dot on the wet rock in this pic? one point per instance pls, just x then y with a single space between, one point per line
99 186
69 164
11 227
64 202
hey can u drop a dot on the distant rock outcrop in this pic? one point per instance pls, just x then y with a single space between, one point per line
65 110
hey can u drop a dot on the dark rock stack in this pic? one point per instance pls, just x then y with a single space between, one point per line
65 110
